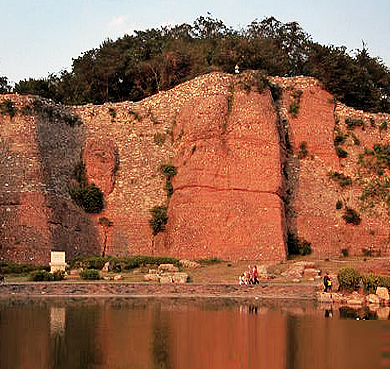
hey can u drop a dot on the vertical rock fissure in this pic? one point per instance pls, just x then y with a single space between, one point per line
289 170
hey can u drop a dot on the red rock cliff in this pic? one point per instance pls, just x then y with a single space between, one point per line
241 181
227 201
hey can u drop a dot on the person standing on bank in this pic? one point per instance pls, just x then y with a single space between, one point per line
255 275
327 283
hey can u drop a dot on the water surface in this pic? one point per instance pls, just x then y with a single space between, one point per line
188 334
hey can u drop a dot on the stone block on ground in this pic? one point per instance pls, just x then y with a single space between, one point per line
355 299
174 277
166 278
305 264
189 264
106 267
168 268
383 294
383 313
324 297
180 277
338 298
262 271
311 273
373 299
295 271
153 277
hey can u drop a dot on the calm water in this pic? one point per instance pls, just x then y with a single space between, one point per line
181 334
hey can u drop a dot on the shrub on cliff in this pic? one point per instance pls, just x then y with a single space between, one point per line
276 91
159 219
340 137
169 171
353 123
5 88
293 109
341 153
342 179
302 154
90 198
297 245
351 216
7 107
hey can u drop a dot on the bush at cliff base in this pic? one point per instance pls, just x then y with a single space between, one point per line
119 264
349 279
13 268
297 245
372 281
45 276
90 274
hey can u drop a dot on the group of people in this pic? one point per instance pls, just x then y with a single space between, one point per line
249 277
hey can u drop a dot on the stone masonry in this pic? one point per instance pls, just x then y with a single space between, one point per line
239 185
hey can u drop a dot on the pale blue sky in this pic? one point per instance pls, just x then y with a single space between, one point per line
39 37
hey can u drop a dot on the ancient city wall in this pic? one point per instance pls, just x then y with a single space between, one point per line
241 183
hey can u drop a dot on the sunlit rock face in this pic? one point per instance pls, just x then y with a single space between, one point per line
227 200
101 161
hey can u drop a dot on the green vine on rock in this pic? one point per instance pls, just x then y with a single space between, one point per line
169 171
159 219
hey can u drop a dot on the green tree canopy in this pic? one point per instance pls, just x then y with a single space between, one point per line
138 65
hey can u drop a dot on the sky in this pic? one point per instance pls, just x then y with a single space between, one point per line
40 37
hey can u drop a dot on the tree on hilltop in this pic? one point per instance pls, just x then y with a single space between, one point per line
146 62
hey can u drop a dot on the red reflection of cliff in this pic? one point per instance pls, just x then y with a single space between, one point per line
194 338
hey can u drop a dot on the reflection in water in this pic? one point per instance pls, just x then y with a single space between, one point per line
161 340
176 334
57 321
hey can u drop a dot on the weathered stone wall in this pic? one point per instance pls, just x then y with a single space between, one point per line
238 189
38 152
312 212
143 134
227 201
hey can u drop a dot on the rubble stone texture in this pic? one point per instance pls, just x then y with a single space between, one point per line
100 159
239 184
